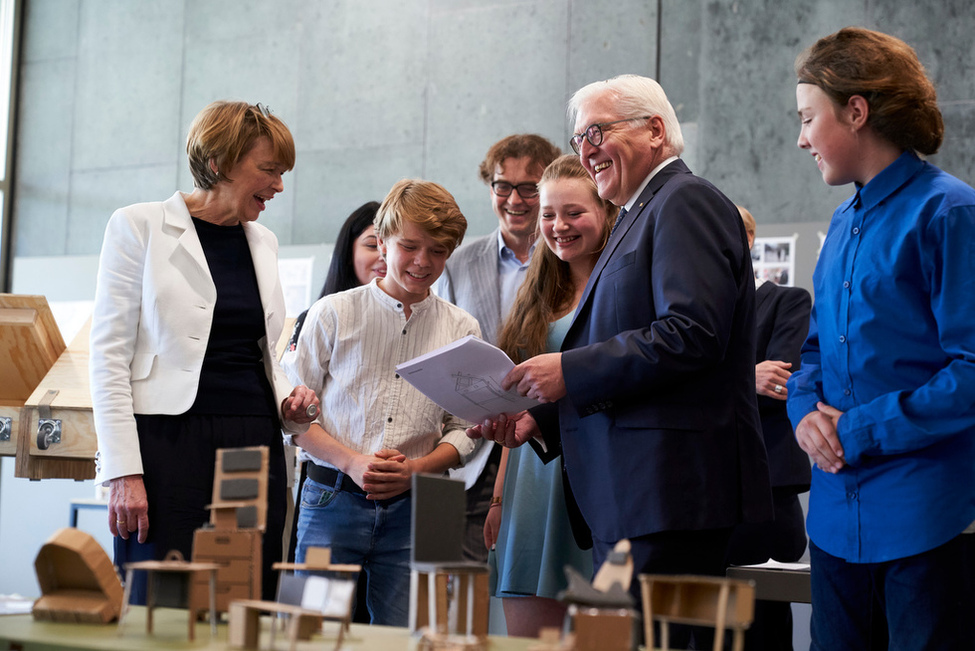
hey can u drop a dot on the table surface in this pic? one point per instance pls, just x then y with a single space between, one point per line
169 632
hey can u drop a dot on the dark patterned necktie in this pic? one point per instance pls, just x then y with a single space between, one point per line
619 218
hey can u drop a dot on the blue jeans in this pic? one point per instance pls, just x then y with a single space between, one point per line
374 534
924 601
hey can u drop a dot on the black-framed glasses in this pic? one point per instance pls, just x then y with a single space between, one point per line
524 190
594 133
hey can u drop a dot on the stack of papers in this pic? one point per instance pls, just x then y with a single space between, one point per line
464 378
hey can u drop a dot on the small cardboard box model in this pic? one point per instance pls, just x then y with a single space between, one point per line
78 581
238 517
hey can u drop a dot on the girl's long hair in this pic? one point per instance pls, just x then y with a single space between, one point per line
547 291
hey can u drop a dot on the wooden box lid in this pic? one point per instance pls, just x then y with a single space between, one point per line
30 343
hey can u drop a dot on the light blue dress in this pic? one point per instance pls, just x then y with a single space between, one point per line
535 538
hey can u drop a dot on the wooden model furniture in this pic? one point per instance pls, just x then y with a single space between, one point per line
446 592
699 601
30 344
306 601
168 585
318 561
245 623
601 613
78 581
238 516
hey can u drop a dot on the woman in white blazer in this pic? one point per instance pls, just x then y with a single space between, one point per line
188 308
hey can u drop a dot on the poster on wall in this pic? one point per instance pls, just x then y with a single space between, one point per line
774 259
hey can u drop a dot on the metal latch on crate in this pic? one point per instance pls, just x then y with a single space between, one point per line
6 424
48 429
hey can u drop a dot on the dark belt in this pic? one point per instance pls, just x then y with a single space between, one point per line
329 477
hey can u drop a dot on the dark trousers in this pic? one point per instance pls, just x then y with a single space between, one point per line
178 458
360 610
478 503
674 552
925 601
782 539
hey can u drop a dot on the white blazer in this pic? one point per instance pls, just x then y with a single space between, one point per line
153 311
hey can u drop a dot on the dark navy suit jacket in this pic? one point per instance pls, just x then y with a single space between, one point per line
782 319
659 430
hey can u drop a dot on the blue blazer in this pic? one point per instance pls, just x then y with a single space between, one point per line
659 430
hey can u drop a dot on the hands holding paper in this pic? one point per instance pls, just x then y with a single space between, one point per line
510 431
539 378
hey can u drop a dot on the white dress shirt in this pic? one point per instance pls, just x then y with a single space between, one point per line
347 353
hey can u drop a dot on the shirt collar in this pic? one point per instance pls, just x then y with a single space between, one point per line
506 254
646 181
394 303
886 183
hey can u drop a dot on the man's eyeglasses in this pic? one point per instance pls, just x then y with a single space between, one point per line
524 190
594 133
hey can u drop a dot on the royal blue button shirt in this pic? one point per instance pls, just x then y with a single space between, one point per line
892 345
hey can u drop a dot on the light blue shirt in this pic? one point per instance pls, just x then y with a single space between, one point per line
892 345
511 273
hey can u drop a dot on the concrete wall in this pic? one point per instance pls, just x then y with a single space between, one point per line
376 91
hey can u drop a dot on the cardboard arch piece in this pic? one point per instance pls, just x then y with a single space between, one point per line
78 581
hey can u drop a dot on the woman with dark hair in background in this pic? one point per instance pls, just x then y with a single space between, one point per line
355 260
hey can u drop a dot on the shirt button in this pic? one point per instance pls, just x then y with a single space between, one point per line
404 331
389 420
846 392
397 375
856 230
846 284
842 339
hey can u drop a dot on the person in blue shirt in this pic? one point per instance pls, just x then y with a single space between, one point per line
884 399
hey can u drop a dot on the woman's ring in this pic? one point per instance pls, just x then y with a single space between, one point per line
778 388
120 522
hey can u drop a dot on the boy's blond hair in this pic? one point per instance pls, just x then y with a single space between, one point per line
426 204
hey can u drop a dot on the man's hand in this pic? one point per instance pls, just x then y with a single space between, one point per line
510 431
770 378
295 407
128 508
539 378
817 436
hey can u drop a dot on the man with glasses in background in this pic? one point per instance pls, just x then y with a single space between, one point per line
653 395
483 277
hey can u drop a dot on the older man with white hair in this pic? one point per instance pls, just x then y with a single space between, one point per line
653 395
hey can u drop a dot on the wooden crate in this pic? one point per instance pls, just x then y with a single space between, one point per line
30 344
57 430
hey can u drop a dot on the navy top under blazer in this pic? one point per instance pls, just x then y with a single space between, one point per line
659 430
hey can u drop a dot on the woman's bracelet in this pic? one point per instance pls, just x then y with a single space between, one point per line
495 501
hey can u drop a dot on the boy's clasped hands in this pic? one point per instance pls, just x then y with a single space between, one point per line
383 475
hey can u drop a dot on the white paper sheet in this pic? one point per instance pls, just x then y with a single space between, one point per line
464 378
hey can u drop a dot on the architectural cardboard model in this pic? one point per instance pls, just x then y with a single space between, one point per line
78 581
